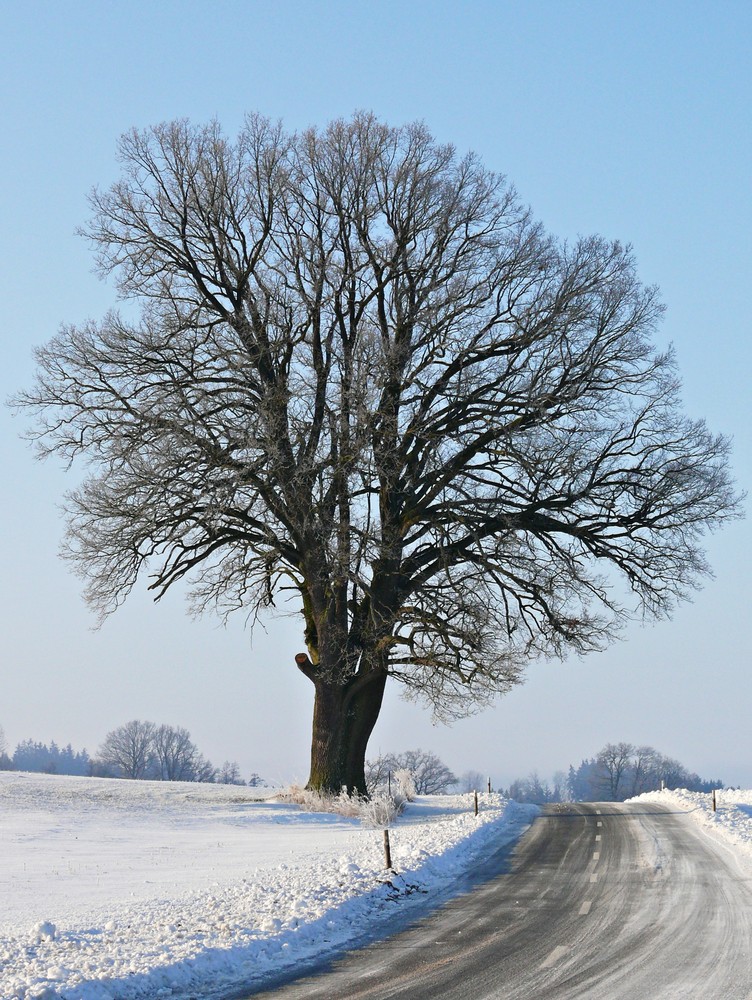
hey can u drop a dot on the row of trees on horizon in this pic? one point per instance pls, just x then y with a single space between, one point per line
134 750
617 772
144 750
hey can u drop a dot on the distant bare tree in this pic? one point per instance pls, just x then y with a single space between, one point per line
533 789
614 760
203 770
643 768
364 379
145 750
472 781
176 754
429 773
671 772
560 790
377 771
621 770
229 774
129 750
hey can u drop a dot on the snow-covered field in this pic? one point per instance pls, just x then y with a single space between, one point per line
731 823
112 890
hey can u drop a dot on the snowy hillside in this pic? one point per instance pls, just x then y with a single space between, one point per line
113 890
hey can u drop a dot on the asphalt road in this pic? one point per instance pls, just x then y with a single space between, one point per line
598 901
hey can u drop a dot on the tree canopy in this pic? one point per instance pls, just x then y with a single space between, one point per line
363 379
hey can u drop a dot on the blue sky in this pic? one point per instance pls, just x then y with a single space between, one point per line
630 120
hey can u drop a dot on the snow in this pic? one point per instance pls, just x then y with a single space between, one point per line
112 890
730 824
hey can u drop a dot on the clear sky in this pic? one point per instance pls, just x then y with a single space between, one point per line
631 120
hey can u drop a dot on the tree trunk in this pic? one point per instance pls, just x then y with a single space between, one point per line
343 720
363 712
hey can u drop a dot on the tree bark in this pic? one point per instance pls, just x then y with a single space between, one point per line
343 719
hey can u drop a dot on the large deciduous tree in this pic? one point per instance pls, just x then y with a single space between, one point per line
364 376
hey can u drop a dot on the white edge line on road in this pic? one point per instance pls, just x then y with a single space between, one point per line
585 908
597 836
594 877
596 855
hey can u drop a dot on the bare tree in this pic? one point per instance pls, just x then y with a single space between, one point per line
532 789
643 769
560 792
129 750
613 761
229 774
366 381
429 773
176 755
472 781
377 771
145 750
203 770
671 772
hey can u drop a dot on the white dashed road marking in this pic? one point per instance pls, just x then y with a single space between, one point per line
553 958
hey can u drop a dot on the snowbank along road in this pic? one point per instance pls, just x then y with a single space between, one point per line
137 890
605 902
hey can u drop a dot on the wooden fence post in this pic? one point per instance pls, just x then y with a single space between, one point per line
475 795
387 851
714 804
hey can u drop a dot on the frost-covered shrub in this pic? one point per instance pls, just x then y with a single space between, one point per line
312 801
406 788
378 811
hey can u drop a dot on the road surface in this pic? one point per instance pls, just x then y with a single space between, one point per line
598 901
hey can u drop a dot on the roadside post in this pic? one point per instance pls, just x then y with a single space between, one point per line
387 852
